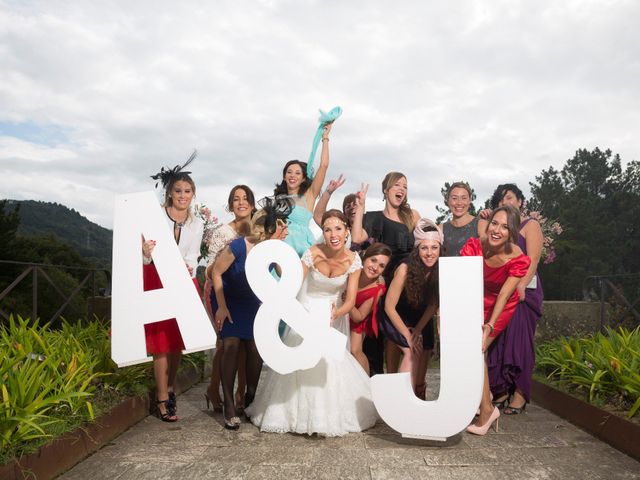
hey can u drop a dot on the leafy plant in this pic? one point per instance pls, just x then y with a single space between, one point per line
603 365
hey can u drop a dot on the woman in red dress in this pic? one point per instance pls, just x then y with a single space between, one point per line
163 338
363 316
504 266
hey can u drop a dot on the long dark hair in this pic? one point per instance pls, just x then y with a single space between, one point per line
513 224
422 289
251 199
281 188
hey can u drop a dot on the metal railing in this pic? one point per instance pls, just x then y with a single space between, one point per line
614 290
39 270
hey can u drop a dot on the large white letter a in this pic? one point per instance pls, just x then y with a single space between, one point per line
131 306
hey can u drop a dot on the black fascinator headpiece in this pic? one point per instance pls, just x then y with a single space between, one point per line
275 208
166 174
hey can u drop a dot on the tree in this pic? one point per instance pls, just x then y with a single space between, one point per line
598 206
444 212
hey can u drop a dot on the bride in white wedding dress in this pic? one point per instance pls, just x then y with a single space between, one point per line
334 397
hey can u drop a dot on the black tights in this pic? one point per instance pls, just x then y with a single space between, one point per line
229 368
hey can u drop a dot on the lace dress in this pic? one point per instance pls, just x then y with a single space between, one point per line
332 398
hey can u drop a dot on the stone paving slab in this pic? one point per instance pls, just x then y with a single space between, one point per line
534 445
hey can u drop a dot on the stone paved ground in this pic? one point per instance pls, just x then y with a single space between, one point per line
536 445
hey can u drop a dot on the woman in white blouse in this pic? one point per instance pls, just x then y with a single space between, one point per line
163 338
242 204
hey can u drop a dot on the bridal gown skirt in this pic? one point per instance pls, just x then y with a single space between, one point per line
333 398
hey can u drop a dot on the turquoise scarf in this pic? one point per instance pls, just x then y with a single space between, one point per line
325 117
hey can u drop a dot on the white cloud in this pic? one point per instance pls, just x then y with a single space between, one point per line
484 91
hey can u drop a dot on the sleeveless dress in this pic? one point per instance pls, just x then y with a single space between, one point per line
241 301
513 358
368 326
494 279
410 316
394 234
299 235
332 398
456 237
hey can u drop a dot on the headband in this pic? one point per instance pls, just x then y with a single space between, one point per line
325 117
165 175
420 235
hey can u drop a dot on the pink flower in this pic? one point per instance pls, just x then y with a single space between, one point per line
551 256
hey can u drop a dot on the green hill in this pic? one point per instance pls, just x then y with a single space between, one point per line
90 240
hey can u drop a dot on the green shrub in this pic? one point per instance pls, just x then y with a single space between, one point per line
603 365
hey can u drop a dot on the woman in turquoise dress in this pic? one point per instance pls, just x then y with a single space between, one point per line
303 186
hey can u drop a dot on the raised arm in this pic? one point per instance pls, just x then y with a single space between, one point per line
358 233
318 179
321 206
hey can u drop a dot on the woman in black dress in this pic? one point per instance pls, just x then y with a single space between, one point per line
394 227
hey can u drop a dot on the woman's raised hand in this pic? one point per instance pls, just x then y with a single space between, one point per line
361 195
326 128
335 184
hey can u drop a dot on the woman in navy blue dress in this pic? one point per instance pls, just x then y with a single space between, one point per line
236 305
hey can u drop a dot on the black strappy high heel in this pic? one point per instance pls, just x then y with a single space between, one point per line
167 416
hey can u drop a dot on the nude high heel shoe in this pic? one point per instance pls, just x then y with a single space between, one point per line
482 430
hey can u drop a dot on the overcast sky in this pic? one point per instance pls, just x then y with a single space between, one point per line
97 96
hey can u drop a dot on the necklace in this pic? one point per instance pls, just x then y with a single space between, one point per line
178 224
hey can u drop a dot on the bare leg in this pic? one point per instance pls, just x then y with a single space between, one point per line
486 407
356 350
174 365
161 374
518 400
407 363
392 354
421 372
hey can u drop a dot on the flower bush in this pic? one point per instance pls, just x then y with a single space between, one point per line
550 230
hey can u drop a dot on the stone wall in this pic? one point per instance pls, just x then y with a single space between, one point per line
568 318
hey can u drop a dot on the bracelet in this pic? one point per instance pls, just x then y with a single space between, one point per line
325 139
490 326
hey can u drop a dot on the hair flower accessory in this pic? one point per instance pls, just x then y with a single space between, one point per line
166 174
275 208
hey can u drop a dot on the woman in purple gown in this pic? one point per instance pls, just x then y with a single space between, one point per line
512 360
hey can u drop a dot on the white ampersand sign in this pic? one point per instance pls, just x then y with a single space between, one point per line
279 302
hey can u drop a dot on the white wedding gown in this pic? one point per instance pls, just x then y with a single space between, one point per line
332 398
